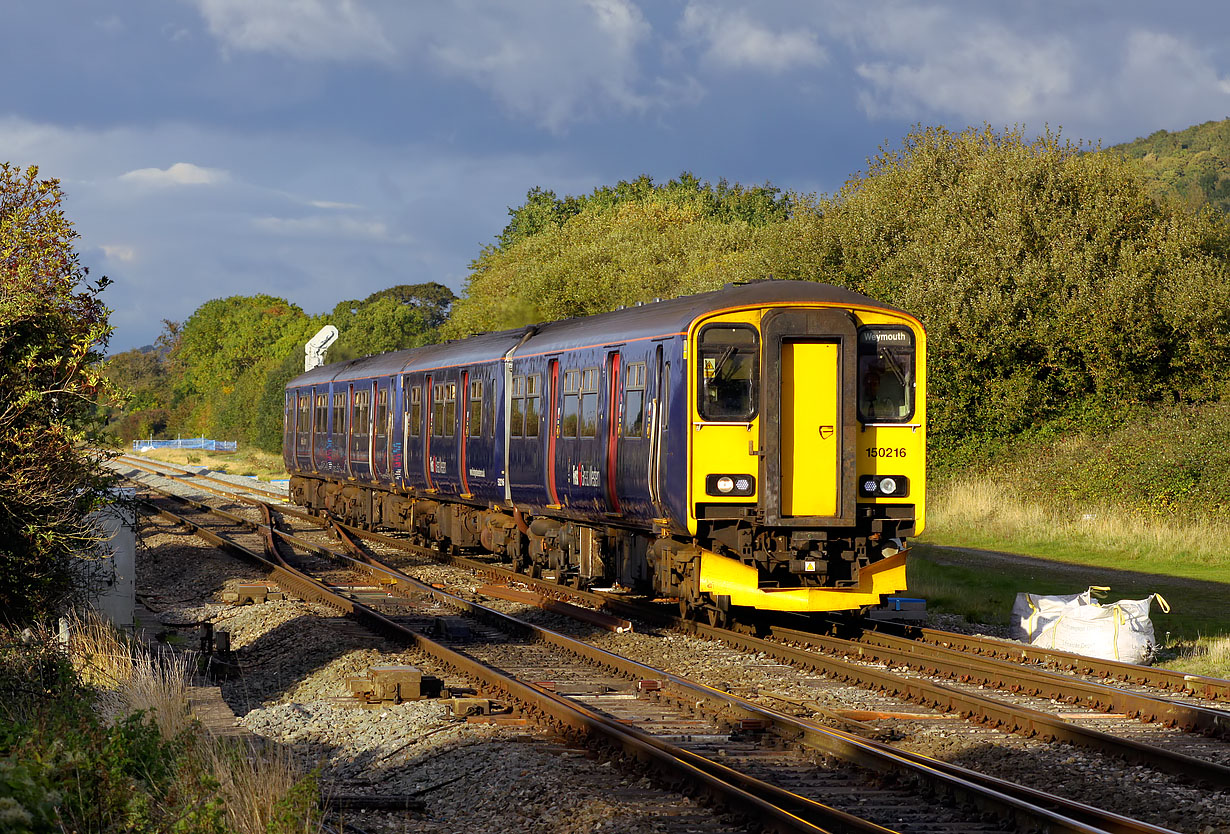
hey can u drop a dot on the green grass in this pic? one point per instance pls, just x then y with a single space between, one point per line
263 465
987 540
981 586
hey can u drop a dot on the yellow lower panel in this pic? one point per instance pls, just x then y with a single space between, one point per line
722 576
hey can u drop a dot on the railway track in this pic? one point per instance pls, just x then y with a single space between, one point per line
809 661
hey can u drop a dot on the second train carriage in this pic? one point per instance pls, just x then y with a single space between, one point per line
760 446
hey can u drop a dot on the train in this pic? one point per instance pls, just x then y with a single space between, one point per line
761 447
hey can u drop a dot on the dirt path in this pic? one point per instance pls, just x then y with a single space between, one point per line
971 557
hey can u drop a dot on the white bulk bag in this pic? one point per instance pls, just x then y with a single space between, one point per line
1034 613
1119 631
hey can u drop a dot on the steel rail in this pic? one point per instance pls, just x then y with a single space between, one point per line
1018 719
739 793
947 780
1009 716
1199 685
143 465
1002 674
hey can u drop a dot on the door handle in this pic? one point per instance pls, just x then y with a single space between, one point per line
751 449
826 432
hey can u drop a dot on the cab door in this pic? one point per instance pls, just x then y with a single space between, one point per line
810 428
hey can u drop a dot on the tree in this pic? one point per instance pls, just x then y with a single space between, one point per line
1050 282
631 242
52 329
220 355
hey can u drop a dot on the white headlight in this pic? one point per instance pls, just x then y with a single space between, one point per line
888 486
725 484
869 487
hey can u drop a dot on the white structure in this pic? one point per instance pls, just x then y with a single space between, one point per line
314 350
110 582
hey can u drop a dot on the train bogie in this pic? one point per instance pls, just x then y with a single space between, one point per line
762 446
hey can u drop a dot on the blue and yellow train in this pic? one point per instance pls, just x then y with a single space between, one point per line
761 446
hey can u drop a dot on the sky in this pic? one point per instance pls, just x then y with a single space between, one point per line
321 150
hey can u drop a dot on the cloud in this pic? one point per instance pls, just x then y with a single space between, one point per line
1096 77
119 252
549 62
936 62
552 63
734 41
181 173
337 30
328 227
329 204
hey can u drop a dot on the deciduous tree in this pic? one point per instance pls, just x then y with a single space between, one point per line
52 329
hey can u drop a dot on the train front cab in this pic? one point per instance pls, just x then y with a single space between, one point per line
806 455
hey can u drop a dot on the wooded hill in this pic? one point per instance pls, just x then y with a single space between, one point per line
1057 291
1191 166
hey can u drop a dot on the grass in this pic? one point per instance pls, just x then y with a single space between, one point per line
255 462
969 562
260 789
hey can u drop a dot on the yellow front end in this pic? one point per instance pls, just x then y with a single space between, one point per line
833 450
720 576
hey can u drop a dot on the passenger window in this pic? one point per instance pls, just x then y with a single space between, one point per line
416 410
572 404
634 400
450 409
304 424
474 415
589 402
339 414
885 374
516 417
381 427
437 410
361 421
533 410
322 413
729 372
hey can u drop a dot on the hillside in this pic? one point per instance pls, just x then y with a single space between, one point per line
1191 166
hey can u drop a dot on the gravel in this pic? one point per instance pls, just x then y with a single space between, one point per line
488 778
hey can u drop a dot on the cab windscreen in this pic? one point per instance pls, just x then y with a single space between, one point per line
729 370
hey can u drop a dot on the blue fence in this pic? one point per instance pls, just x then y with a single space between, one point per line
189 443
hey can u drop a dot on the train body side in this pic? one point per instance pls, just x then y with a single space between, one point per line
610 447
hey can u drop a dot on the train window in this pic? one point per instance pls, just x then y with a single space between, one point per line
362 419
416 410
303 424
589 402
340 408
474 417
885 374
437 410
381 426
572 404
729 371
533 413
516 417
322 413
634 400
361 415
450 409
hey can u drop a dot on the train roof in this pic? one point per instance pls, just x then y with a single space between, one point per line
659 318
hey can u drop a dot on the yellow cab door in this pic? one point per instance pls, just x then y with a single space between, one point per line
810 422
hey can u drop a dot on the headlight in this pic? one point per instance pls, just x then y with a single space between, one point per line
884 486
725 485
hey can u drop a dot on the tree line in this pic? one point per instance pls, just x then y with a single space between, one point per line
1054 288
221 373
